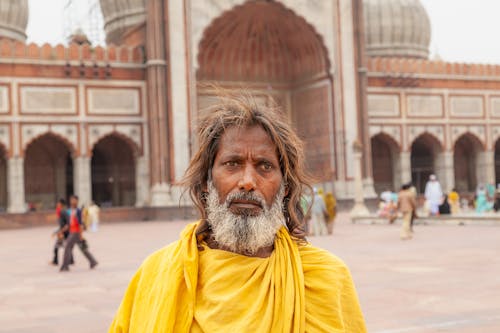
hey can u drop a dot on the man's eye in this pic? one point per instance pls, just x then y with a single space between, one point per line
267 166
231 163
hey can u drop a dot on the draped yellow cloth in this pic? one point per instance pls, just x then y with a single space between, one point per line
180 288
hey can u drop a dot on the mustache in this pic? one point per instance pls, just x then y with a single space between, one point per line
246 196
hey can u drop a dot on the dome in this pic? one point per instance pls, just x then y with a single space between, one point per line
13 19
121 15
396 28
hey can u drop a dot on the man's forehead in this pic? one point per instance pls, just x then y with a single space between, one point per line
240 137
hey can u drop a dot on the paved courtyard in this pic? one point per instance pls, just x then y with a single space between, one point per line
447 279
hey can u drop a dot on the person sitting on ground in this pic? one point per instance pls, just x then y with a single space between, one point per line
246 265
481 203
496 199
454 201
444 207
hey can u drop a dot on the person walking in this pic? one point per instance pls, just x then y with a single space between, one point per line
59 233
75 227
406 205
413 191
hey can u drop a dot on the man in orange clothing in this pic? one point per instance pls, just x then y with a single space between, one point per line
75 227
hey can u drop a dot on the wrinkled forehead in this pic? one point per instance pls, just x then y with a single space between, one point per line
253 137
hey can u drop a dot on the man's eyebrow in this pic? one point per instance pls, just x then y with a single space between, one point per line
231 156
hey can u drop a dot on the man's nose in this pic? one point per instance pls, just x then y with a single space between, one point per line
247 182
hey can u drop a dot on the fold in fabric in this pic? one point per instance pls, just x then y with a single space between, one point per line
299 288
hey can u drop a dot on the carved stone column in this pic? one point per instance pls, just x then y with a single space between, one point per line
359 208
82 179
159 123
15 185
141 182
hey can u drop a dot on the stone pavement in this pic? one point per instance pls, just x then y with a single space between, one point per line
447 279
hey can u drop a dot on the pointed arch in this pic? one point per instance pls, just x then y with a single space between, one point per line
385 162
424 152
48 170
467 161
113 170
67 143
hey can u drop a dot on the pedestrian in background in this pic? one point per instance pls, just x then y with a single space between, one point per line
61 233
318 214
406 205
433 194
331 210
75 227
93 215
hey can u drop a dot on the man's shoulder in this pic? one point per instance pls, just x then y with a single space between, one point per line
161 255
315 258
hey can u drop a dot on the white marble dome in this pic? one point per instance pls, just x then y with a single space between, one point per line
120 15
396 28
13 19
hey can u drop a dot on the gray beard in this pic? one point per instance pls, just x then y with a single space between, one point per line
243 233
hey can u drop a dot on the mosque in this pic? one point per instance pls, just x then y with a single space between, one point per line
116 124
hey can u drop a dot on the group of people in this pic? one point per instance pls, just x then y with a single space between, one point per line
436 203
323 209
485 199
72 222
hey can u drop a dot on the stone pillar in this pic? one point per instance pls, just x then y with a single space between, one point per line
82 179
485 167
359 208
158 92
179 73
445 170
404 170
15 185
141 182
369 188
60 179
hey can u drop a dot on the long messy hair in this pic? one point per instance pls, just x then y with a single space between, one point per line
243 111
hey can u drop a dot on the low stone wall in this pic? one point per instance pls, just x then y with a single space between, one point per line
107 215
465 219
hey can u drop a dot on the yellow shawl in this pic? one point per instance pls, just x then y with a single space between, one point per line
299 288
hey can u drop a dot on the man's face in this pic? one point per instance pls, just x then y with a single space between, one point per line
73 202
247 161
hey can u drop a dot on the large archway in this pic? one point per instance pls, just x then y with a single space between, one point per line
113 172
466 162
3 179
48 171
424 151
266 47
385 162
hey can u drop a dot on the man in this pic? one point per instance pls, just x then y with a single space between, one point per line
433 194
246 265
75 228
406 205
318 214
331 209
59 233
